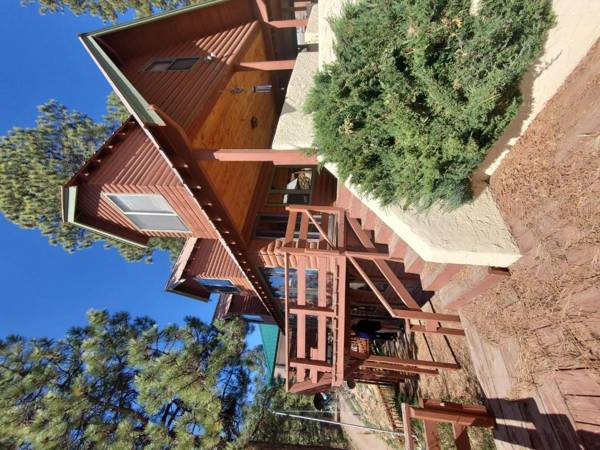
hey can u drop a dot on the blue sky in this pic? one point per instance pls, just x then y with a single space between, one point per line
45 290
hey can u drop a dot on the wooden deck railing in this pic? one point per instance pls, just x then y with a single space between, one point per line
321 361
317 322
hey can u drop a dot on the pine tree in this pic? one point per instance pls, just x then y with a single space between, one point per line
123 383
107 10
261 425
35 162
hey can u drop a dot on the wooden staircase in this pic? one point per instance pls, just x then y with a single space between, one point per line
433 276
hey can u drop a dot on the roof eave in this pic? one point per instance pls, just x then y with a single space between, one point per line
69 201
151 18
135 103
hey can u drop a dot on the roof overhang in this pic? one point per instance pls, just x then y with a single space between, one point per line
68 211
177 279
135 103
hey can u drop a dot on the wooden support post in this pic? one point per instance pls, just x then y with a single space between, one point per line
267 66
461 438
277 157
408 434
292 23
432 435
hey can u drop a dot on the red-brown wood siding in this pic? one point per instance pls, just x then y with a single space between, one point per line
184 95
181 27
211 260
136 166
235 305
246 304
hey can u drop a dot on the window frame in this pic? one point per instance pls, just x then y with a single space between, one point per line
308 192
126 214
215 288
311 293
171 61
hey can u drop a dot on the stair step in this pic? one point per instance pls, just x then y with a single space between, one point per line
355 207
368 218
397 247
413 262
383 233
343 197
435 276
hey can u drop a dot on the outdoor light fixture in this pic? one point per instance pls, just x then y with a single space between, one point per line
262 88
210 57
258 89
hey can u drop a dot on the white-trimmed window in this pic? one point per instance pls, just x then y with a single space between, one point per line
171 64
148 212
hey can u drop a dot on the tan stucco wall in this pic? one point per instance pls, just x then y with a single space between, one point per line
295 128
577 29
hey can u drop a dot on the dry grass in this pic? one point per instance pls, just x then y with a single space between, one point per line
548 190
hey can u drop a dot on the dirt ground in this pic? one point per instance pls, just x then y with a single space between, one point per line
362 406
459 386
548 190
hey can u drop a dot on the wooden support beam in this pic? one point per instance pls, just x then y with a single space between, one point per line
317 311
371 256
440 330
310 251
277 157
464 418
267 66
411 362
291 23
398 368
424 315
309 363
383 266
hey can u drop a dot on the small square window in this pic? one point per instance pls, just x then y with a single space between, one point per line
159 66
183 64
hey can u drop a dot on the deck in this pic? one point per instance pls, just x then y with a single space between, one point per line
326 253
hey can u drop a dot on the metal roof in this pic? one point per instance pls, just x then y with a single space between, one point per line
269 335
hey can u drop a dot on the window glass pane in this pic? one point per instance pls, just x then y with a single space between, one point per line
141 203
214 282
271 226
157 222
183 64
159 66
275 278
292 178
288 197
252 318
215 285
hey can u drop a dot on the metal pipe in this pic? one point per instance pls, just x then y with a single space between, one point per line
343 424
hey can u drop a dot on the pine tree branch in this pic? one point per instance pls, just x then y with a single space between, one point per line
115 408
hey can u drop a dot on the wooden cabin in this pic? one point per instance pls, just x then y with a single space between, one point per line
268 228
